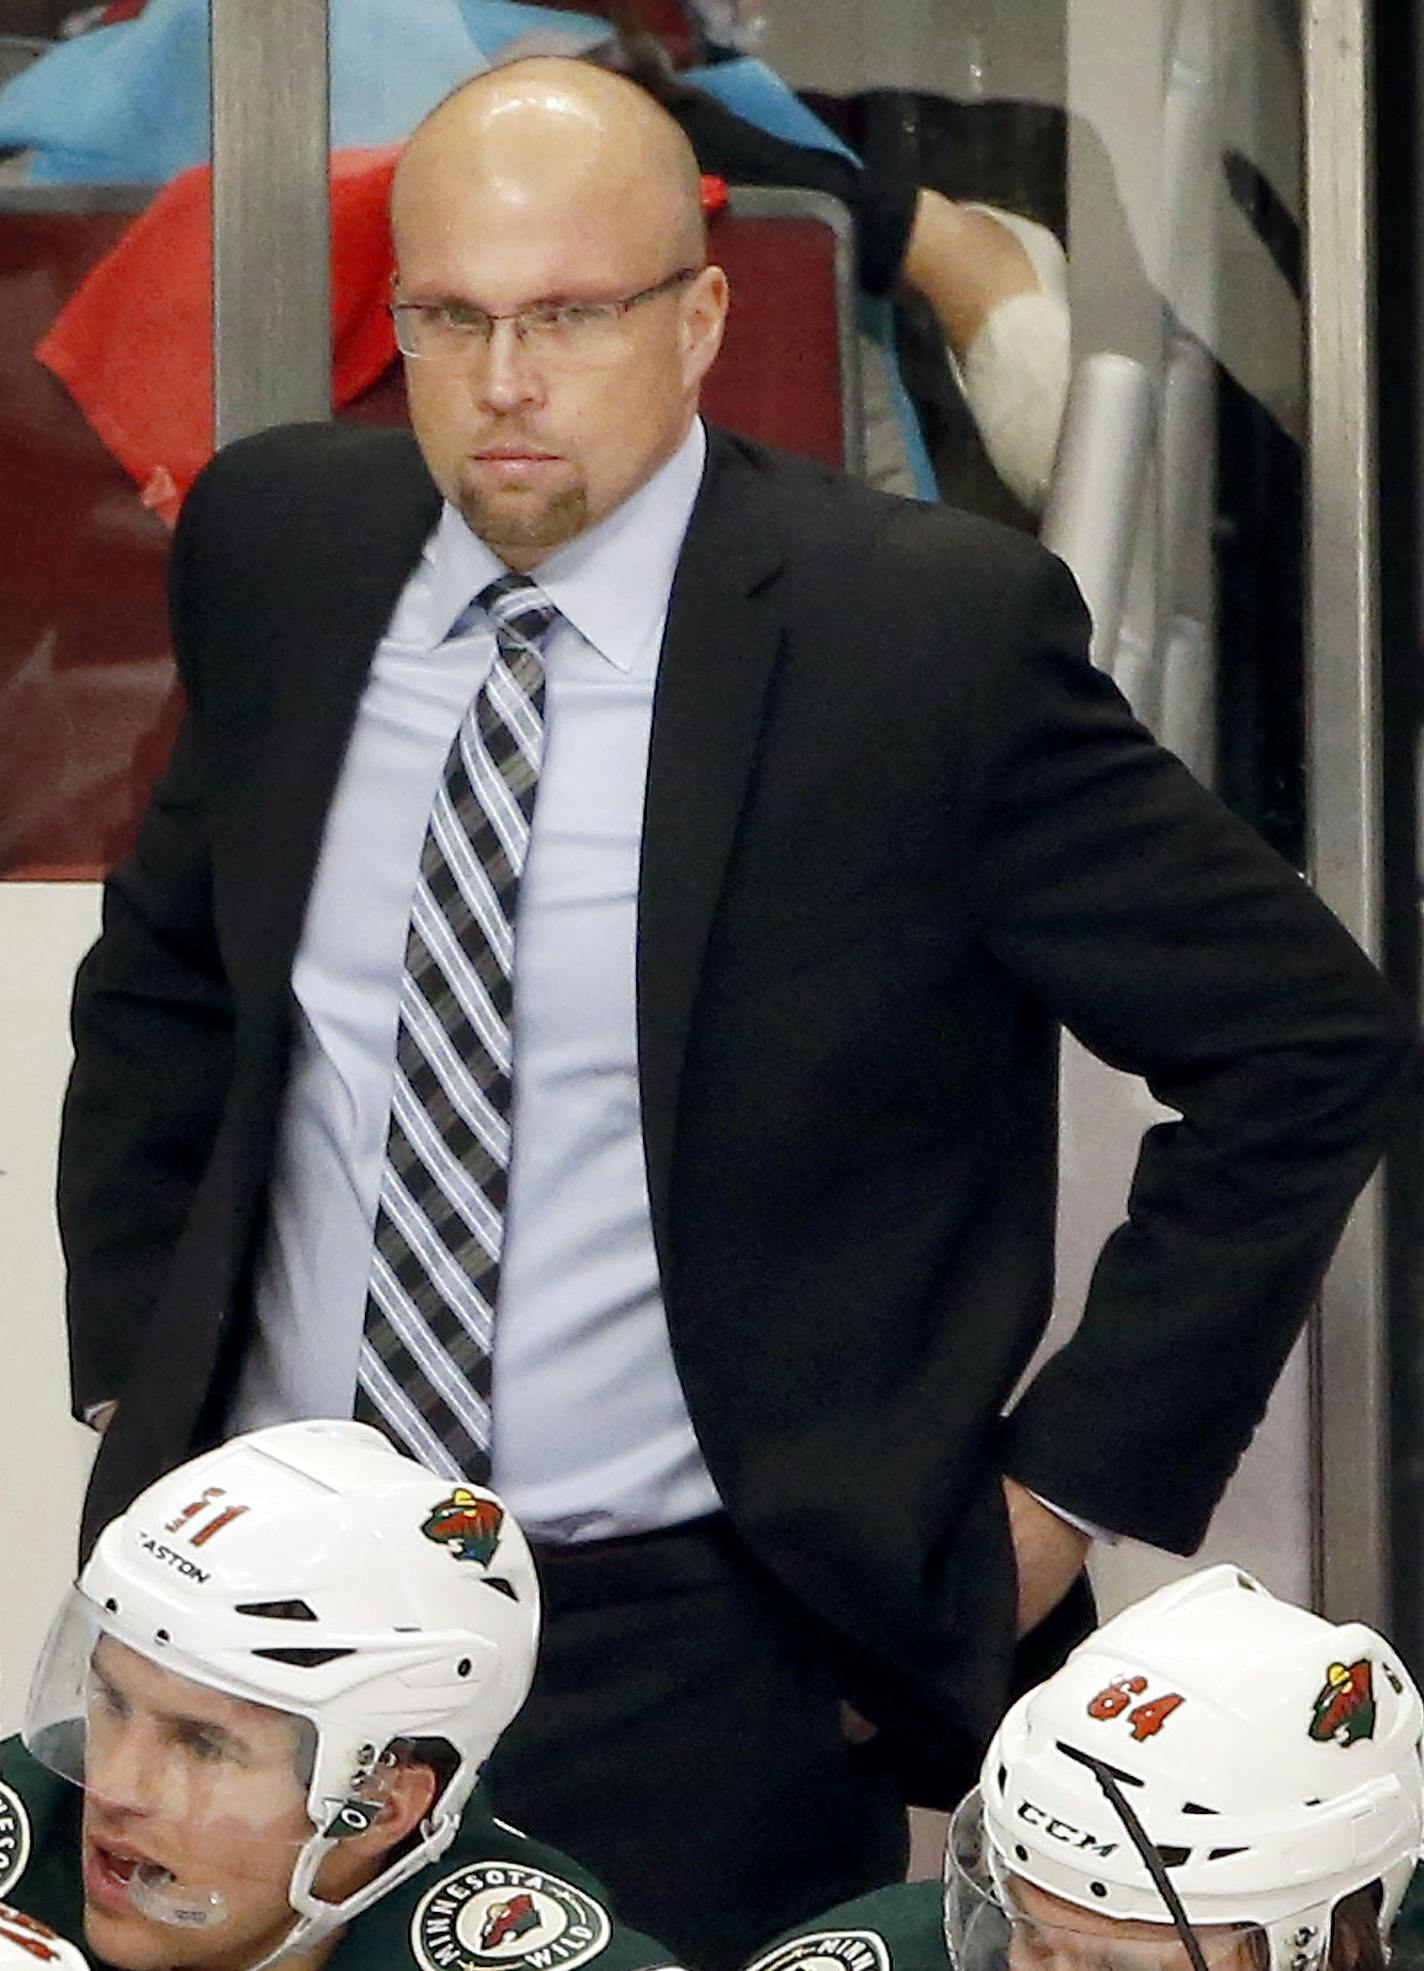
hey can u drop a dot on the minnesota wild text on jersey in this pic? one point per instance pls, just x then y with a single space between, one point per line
828 1950
498 1913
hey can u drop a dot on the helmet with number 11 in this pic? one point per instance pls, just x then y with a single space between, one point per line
276 1682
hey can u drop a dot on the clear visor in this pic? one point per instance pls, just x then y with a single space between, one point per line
195 1800
996 1920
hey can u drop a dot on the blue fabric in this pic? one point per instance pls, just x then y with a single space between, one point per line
390 65
491 23
130 102
125 102
758 95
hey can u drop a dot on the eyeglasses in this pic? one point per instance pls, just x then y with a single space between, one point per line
571 332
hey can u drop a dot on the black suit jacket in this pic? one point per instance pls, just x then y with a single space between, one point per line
897 828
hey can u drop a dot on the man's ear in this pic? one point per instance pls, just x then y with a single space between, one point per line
703 317
407 1793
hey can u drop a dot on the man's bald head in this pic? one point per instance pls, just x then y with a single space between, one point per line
549 216
554 128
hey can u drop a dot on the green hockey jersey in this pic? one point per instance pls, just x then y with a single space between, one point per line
898 1928
901 1928
493 1902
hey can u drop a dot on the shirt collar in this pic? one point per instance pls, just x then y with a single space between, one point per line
612 583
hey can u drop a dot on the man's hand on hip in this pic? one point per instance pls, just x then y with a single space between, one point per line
1048 1552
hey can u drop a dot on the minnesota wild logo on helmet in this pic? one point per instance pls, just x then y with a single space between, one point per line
1345 1707
467 1523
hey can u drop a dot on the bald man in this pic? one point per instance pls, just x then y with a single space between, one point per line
586 997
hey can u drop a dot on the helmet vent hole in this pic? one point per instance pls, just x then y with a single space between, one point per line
500 1585
278 1611
1021 1851
464 1667
1098 1888
162 1636
1223 1854
303 1659
112 1606
1174 1857
1191 1807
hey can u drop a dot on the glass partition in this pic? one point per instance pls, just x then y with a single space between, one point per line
1161 144
105 330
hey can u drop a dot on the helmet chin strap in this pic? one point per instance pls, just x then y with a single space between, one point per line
1151 1860
316 1920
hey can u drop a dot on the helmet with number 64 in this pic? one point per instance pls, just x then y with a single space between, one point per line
1268 1761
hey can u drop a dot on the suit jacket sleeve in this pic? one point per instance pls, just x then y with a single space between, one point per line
152 1024
1176 945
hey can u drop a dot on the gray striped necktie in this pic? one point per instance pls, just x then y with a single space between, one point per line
424 1371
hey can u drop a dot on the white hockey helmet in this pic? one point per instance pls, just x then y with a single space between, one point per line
1270 1760
26 1944
313 1569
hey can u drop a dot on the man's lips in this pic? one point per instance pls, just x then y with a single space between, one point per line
108 1871
511 460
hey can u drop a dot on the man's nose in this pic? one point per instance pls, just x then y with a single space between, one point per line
124 1771
508 375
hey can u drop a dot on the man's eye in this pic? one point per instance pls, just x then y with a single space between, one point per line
207 1747
571 316
461 316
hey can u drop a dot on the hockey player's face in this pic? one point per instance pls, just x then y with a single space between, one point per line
1051 1934
193 1815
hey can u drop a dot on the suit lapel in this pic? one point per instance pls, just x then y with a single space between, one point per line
722 640
332 622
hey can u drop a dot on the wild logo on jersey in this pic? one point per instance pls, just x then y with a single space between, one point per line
509 1919
493 1913
14 1837
1345 1707
467 1525
828 1950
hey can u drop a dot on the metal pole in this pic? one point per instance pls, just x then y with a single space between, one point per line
1343 757
271 214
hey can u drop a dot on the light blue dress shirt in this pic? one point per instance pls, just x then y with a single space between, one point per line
591 1432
